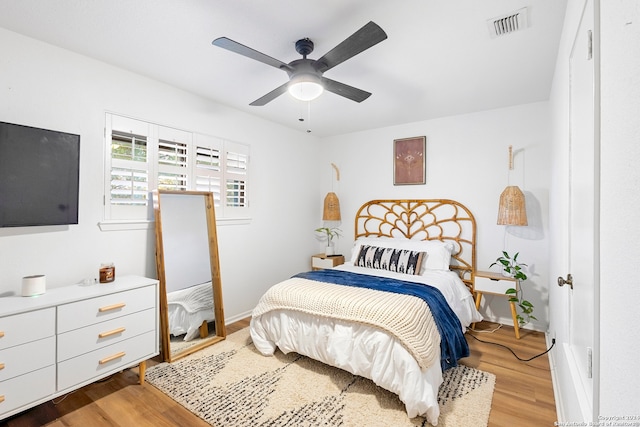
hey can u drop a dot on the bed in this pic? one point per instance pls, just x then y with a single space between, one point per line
373 316
189 310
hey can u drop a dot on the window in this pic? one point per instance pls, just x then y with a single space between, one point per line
173 148
143 156
208 171
129 178
236 160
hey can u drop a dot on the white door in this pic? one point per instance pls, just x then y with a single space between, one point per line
583 217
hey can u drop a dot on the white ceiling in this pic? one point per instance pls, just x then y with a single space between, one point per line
438 60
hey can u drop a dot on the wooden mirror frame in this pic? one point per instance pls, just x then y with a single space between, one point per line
218 308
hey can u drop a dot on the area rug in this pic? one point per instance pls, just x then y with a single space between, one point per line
230 384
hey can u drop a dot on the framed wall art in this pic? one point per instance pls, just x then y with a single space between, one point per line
409 159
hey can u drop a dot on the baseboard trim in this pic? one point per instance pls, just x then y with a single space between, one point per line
233 319
554 380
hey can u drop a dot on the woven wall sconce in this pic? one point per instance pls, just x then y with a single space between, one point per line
331 211
512 209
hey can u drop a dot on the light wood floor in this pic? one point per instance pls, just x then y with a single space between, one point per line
523 393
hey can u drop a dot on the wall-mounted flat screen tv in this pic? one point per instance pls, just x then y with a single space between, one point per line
39 174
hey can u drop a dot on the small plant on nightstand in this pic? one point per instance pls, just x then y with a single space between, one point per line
328 234
512 268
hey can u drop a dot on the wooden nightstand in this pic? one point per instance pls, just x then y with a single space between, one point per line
487 282
322 261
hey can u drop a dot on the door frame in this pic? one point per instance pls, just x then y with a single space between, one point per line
567 391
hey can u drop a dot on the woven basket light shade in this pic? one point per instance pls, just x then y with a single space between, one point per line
331 210
512 210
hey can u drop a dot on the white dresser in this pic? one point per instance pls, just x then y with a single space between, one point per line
72 336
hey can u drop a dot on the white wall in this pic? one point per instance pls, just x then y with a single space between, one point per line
47 87
619 207
467 160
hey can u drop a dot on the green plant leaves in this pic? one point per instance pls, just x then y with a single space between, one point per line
329 233
511 265
526 308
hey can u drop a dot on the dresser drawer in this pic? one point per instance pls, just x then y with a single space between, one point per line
20 359
25 327
90 338
320 261
493 285
95 310
25 389
89 366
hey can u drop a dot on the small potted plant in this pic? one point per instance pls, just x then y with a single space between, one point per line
512 268
328 234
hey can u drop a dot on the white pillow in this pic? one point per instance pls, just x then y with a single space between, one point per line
438 253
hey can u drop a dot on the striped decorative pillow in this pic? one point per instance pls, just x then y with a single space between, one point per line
397 260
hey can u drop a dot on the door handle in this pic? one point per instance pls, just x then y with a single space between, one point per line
567 281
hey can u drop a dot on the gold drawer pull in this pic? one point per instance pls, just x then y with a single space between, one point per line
113 332
2 398
1 334
110 358
111 307
1 366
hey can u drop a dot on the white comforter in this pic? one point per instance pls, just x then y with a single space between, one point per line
188 308
364 350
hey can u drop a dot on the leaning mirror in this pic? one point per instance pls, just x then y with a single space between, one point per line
191 308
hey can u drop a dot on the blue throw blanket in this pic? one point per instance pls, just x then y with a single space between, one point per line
453 345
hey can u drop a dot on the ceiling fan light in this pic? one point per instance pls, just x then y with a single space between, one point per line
305 89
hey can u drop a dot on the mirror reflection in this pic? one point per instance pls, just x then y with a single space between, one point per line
191 308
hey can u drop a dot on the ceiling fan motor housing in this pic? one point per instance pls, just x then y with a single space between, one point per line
304 47
304 67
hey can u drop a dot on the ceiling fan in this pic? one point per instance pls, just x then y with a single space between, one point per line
306 80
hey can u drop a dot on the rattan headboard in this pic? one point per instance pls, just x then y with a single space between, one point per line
445 220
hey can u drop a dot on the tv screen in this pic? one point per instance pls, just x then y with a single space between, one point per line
39 174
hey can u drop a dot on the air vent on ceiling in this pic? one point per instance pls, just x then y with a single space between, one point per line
508 24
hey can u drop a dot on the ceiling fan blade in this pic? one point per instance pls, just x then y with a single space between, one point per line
243 50
270 96
347 91
366 37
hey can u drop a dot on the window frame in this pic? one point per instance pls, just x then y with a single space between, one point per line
185 163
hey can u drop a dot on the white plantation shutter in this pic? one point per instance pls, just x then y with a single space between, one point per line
142 157
127 184
235 176
208 167
174 147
